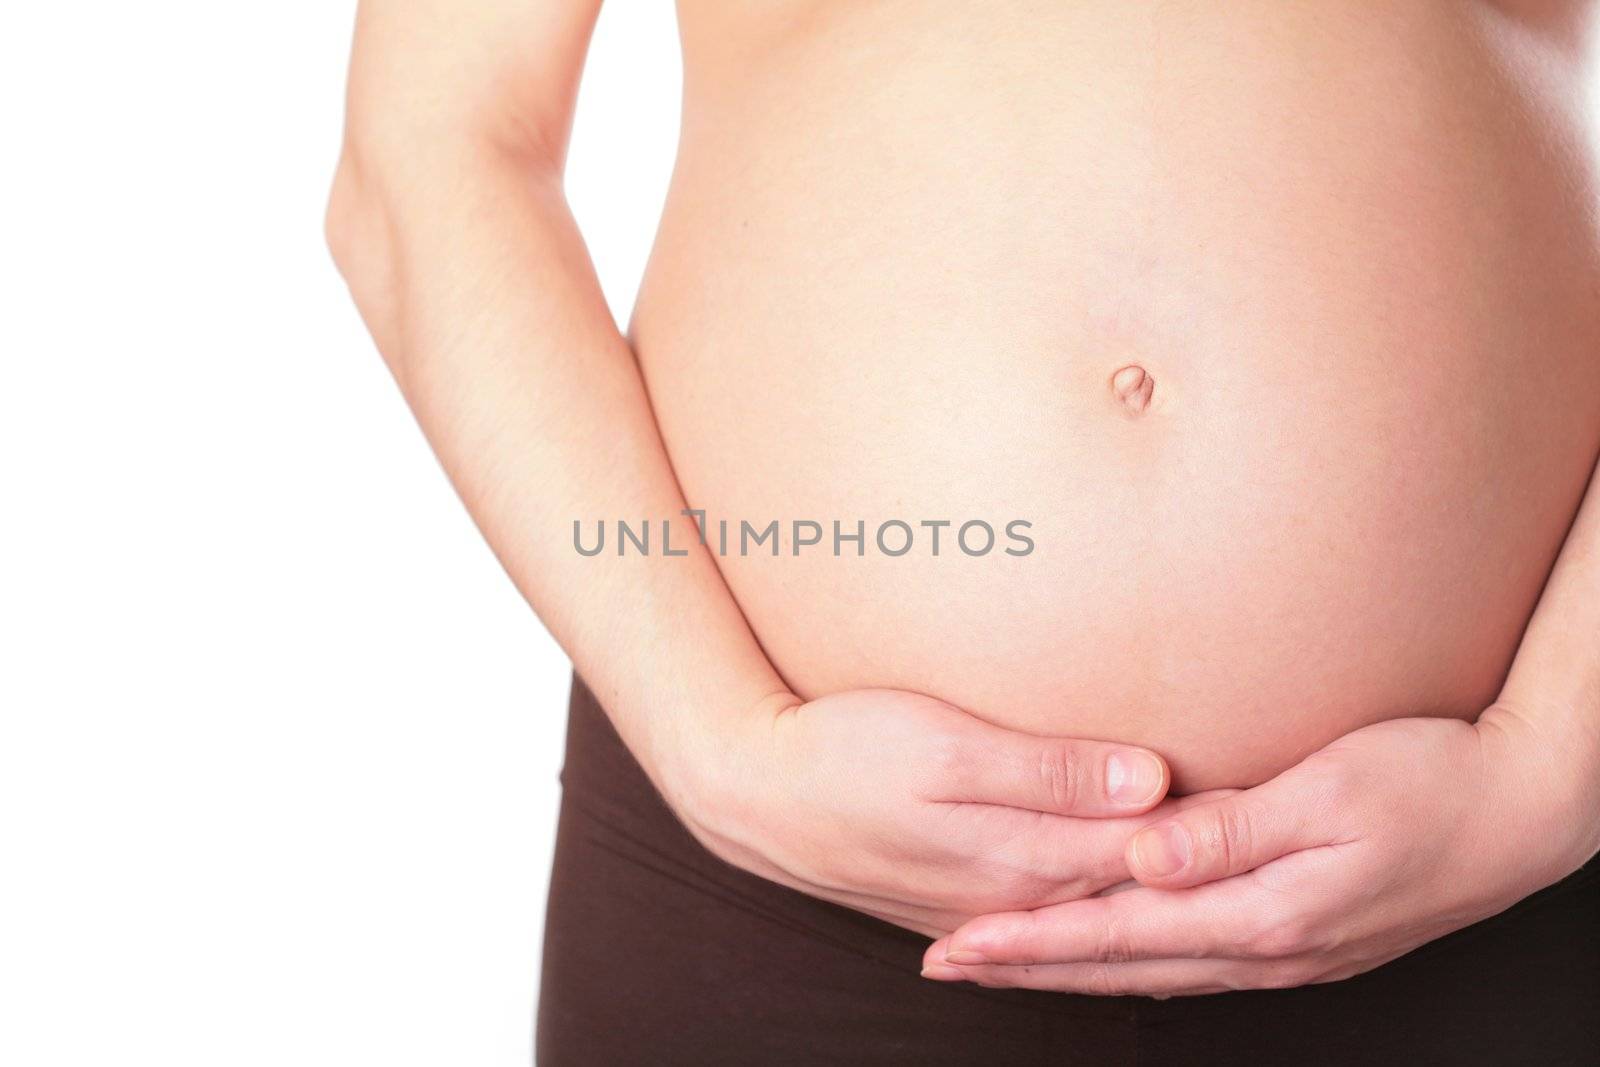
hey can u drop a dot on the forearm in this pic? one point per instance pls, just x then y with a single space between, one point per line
1550 706
475 283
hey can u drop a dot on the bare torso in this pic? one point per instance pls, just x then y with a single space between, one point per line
909 245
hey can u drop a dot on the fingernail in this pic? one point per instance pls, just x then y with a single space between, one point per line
940 973
1162 851
1132 777
965 957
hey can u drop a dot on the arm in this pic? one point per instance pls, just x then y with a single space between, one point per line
449 223
1355 856
448 220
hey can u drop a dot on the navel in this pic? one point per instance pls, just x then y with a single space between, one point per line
1133 388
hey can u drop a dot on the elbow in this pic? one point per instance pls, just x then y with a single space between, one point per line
360 236
340 218
353 225
390 197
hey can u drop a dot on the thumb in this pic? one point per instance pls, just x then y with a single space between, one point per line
1226 837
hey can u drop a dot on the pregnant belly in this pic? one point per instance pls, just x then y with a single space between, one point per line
1358 402
1264 559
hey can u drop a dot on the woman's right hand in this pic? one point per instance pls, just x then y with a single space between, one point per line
911 810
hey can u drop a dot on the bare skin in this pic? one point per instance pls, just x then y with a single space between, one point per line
1347 249
1293 377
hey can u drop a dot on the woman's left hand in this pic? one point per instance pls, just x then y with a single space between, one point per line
1392 836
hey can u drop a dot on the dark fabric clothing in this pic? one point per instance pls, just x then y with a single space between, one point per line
656 952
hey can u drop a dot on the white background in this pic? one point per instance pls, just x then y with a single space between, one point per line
280 741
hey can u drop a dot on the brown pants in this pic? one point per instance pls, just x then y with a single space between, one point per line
658 953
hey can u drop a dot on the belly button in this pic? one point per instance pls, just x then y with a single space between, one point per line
1133 387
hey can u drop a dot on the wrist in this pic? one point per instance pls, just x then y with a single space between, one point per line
1546 796
715 764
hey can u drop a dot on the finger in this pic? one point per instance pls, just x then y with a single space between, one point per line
1228 837
933 955
1061 858
1073 857
1223 920
1059 775
1151 978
